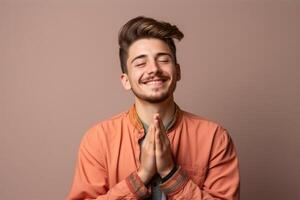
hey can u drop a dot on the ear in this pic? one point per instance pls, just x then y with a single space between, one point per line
125 81
178 72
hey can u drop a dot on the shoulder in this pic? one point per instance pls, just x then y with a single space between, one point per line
207 126
114 121
102 129
198 120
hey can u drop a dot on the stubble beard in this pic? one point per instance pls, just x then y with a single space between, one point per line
155 99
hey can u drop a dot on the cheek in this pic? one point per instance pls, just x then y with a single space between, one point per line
137 76
170 69
173 73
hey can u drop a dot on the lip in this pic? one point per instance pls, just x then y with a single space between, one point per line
154 81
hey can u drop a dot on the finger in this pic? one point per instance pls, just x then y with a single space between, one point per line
160 133
153 137
148 141
161 124
158 141
163 136
156 121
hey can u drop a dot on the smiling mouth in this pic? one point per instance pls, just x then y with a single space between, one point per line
154 82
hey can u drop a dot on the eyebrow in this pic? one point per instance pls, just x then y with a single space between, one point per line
143 56
140 56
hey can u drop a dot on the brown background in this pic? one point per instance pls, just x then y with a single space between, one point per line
59 75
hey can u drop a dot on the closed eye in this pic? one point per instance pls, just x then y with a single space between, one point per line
164 59
140 64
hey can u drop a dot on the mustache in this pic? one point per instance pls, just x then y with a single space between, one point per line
151 78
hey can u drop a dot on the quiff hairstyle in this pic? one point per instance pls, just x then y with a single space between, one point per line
144 27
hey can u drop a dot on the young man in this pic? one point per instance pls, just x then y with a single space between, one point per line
155 150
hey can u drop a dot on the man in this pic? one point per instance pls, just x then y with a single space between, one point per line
155 150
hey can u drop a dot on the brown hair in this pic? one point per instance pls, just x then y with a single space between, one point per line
144 27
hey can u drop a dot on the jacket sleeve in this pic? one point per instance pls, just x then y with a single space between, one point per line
91 175
222 177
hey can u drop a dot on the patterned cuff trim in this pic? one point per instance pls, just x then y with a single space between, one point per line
137 186
176 182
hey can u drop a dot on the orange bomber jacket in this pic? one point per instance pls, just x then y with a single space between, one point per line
109 153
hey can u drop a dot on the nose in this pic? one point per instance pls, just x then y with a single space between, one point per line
153 67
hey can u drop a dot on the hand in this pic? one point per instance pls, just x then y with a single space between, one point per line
163 153
148 163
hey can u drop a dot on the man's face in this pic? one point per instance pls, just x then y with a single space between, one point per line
152 73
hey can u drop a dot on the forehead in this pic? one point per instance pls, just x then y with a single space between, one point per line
147 46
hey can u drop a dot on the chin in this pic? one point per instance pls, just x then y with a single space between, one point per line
152 99
156 100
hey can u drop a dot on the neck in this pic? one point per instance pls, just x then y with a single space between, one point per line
146 110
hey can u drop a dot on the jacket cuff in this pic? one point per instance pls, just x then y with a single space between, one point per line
137 186
175 183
